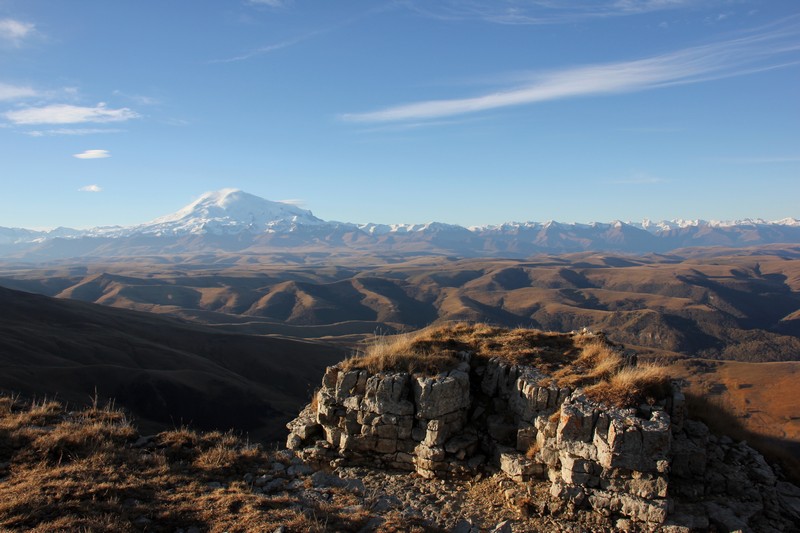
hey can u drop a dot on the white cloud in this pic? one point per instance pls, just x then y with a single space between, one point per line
293 201
69 114
90 188
15 31
535 12
93 154
16 92
753 52
71 131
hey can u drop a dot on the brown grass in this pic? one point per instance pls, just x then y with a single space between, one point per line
77 471
573 360
435 348
532 450
632 386
597 361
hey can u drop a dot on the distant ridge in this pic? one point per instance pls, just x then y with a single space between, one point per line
231 220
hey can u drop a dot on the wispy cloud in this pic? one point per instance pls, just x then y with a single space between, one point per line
534 12
266 49
765 49
72 131
90 188
69 114
15 31
16 92
294 201
93 154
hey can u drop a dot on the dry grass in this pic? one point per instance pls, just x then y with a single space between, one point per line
573 360
597 361
78 471
435 348
632 386
532 450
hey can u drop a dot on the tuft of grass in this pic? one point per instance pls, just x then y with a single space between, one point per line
532 450
598 360
632 386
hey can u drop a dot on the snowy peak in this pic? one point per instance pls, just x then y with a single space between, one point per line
231 219
230 211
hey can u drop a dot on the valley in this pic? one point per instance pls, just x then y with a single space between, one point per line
731 304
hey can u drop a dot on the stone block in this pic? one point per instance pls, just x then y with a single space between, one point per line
576 422
435 453
386 445
467 442
441 395
329 379
386 432
345 384
333 435
388 394
519 467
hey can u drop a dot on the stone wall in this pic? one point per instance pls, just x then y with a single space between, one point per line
490 414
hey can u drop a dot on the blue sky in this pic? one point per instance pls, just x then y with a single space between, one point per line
468 112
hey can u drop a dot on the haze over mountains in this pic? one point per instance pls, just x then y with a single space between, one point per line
231 220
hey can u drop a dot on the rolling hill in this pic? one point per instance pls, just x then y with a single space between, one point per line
741 305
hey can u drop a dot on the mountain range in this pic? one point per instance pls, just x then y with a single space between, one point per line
231 220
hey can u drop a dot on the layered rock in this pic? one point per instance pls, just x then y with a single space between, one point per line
483 414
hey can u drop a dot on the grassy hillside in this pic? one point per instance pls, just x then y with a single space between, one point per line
167 372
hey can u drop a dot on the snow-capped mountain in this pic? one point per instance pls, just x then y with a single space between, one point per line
230 211
231 220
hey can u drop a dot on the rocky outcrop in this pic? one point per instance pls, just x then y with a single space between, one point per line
641 465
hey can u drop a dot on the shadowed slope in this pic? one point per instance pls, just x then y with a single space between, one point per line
166 371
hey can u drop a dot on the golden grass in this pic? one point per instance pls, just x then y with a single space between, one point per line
435 348
77 471
632 386
572 360
597 361
532 450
